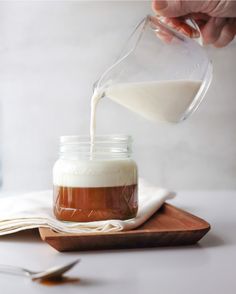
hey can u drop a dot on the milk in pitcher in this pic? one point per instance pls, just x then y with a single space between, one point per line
156 101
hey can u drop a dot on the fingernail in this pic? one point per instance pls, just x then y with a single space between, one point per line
160 5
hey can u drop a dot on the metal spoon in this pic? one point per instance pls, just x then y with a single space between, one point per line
51 273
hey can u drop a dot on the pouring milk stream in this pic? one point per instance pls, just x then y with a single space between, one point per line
156 101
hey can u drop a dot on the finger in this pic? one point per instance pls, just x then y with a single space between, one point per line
171 8
181 26
220 8
212 29
164 37
163 34
200 19
177 8
201 24
200 16
227 35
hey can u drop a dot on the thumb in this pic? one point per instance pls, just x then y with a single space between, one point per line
172 8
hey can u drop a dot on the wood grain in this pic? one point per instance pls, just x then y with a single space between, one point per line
170 226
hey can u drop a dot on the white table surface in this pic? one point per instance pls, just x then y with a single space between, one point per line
208 267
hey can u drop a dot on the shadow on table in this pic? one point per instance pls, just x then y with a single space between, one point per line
72 281
23 236
212 240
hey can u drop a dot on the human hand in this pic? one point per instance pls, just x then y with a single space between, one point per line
216 19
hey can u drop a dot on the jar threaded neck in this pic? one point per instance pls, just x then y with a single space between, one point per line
104 147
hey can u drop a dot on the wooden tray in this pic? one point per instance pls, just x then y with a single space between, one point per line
170 226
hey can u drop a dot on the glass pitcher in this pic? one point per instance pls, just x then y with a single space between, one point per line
160 78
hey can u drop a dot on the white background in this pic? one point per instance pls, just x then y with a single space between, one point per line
50 55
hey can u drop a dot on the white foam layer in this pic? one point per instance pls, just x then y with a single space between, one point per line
94 173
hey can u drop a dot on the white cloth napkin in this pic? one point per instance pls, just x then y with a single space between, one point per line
34 210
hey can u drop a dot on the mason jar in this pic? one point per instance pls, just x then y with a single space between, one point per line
97 185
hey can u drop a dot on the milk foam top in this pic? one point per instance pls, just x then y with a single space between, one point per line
94 173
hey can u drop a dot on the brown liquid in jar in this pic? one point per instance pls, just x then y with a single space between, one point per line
93 204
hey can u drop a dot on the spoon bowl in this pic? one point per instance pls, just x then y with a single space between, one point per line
50 273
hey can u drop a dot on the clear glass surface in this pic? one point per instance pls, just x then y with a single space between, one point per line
156 52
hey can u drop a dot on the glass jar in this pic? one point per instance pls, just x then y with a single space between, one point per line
98 187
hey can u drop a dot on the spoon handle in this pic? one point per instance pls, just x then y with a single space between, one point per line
14 270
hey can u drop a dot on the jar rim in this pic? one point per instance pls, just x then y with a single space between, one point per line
80 139
103 146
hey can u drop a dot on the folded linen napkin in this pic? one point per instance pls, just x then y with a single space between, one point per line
34 210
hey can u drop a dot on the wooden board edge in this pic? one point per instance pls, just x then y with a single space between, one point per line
49 233
137 238
159 240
